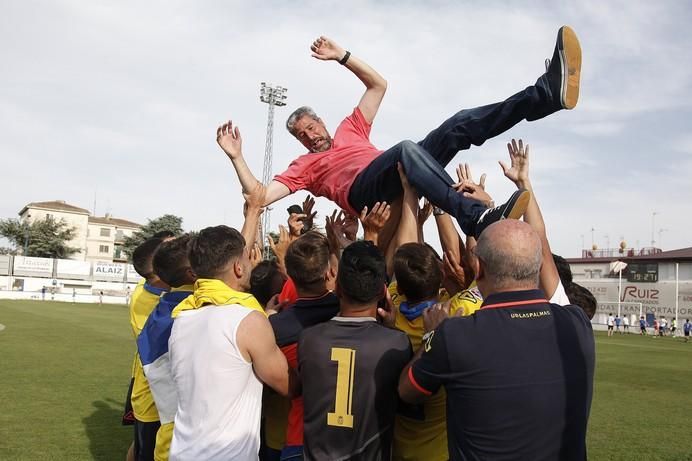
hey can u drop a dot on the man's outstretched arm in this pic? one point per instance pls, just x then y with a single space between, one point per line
326 49
229 139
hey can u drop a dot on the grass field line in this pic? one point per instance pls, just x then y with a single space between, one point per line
648 347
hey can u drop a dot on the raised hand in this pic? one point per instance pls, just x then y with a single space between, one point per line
325 49
518 172
228 138
466 177
404 180
295 224
374 221
255 255
350 226
469 188
279 248
309 219
334 226
425 212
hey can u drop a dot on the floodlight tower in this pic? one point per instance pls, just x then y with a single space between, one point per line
273 96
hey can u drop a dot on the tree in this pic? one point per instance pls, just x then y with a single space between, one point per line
167 222
47 238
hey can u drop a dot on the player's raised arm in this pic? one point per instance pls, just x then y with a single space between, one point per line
518 173
229 139
326 49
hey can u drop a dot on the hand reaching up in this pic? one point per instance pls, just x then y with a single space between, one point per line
374 221
229 139
469 188
325 49
309 219
518 171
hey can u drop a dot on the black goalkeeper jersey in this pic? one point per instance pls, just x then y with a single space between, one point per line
350 370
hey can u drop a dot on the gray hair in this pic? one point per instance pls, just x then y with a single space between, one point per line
297 114
509 264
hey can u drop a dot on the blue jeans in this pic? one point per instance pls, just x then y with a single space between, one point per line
424 162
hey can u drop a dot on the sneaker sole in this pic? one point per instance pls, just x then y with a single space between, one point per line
570 60
519 206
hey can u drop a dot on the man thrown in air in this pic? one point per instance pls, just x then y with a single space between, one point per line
350 171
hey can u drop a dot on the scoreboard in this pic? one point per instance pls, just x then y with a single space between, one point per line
642 272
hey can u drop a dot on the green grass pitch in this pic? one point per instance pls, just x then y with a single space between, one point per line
64 371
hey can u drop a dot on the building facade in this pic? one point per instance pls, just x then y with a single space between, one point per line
105 238
654 283
96 238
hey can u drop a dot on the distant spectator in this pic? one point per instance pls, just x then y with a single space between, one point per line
673 326
74 295
642 325
662 326
626 323
657 326
687 328
101 297
43 294
611 324
618 321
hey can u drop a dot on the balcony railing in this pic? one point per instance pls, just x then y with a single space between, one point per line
619 252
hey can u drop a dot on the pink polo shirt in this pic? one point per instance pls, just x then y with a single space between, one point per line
332 172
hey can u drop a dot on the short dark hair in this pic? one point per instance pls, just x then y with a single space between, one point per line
362 273
262 280
164 234
306 260
417 271
213 248
142 256
171 261
564 271
580 296
295 209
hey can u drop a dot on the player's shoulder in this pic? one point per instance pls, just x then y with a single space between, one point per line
385 336
394 333
465 302
572 314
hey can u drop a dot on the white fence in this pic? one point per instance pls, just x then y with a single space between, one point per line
66 280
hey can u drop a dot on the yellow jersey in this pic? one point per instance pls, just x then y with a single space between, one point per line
420 431
163 442
275 410
143 301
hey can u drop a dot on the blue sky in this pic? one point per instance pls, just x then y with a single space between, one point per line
122 100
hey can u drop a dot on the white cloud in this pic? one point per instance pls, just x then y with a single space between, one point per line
124 98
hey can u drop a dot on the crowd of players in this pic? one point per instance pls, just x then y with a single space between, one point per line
334 350
372 347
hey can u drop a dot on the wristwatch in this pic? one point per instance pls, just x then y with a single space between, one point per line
437 211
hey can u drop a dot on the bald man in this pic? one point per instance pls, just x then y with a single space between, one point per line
519 372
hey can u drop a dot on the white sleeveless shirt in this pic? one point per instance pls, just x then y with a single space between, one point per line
219 396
